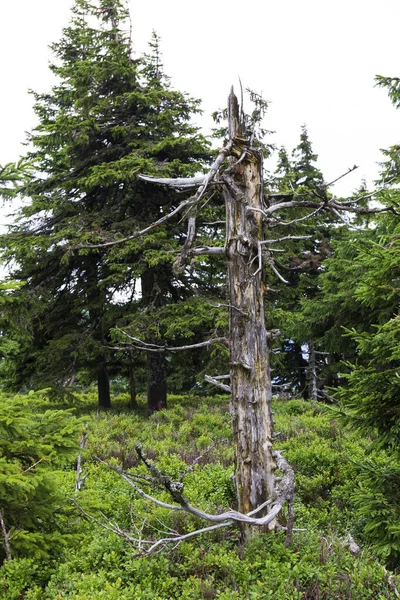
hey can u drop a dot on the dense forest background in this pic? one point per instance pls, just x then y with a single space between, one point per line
113 336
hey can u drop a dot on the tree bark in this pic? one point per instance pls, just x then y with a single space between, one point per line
103 386
301 367
6 537
312 372
132 381
156 371
156 382
251 386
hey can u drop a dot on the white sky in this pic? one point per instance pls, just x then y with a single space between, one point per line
314 60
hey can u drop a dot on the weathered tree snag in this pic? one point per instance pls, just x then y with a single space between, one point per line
250 372
259 491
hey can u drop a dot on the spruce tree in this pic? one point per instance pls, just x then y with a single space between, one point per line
299 258
108 118
35 440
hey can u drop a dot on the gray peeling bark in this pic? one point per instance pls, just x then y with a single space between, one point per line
250 372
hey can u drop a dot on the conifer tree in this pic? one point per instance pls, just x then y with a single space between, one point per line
34 441
358 305
299 261
106 119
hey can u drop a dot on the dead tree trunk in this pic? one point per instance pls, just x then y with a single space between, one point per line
250 372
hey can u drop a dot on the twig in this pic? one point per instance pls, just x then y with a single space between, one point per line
34 465
80 480
199 458
350 170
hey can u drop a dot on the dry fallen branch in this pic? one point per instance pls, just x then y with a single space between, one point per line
283 494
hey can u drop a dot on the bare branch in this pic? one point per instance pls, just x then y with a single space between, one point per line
155 348
196 461
292 204
191 233
110 527
137 234
231 307
341 217
350 170
278 274
222 386
311 214
287 237
177 539
182 183
180 262
208 250
283 493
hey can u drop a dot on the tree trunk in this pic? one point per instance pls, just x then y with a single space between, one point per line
301 366
156 372
156 382
103 386
312 372
132 381
6 537
251 387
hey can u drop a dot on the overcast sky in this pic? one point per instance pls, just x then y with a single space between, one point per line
315 62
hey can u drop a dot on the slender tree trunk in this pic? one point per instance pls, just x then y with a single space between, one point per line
251 386
156 371
132 381
156 382
312 372
103 386
301 368
6 537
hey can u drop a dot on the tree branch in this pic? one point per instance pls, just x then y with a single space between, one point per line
208 251
218 384
155 348
137 234
350 170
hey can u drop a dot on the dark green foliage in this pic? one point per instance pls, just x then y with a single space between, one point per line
35 441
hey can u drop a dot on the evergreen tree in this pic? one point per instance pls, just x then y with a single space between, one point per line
108 118
34 442
359 292
300 258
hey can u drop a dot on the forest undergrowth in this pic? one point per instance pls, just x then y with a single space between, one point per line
83 561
